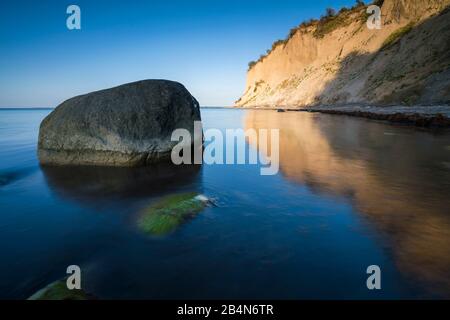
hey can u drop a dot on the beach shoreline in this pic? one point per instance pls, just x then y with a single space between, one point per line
420 116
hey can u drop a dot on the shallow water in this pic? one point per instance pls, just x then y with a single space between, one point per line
350 193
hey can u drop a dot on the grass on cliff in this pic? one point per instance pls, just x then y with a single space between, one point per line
326 24
330 23
395 36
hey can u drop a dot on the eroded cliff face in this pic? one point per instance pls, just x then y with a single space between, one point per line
405 62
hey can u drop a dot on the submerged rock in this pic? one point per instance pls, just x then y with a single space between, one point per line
58 291
8 177
129 125
170 212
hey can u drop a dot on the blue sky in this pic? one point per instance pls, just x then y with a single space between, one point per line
206 45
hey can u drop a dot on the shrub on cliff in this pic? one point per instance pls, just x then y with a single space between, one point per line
330 23
330 12
327 23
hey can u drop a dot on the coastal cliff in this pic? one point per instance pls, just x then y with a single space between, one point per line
338 60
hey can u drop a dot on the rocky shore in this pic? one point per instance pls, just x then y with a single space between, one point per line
421 116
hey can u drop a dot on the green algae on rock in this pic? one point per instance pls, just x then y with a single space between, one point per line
164 216
58 291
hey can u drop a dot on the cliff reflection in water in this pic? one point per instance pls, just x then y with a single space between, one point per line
398 178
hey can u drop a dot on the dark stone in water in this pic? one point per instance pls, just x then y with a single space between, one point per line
168 213
129 125
58 291
9 177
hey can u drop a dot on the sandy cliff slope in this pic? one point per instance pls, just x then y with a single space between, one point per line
339 60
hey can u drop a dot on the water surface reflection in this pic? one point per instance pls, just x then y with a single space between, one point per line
398 178
94 184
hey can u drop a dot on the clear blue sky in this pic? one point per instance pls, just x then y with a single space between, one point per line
205 45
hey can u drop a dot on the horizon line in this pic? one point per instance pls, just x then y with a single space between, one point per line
40 107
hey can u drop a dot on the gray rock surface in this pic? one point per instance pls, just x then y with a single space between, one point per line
129 125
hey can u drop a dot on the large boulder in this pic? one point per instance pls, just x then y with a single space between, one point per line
129 125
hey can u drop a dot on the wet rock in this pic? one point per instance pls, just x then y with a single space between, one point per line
58 291
8 177
166 215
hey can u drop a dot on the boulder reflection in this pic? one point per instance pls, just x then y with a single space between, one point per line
397 177
94 184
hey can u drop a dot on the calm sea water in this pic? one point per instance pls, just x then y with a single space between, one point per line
350 193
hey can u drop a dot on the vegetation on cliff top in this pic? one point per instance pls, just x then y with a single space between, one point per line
326 24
